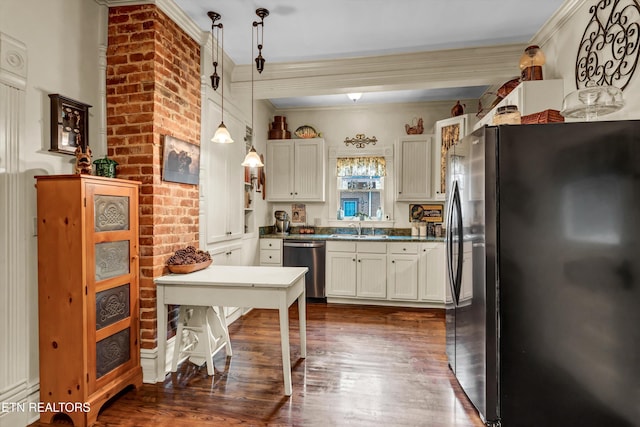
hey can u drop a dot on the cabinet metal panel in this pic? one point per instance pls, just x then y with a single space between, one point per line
112 305
112 259
111 213
112 352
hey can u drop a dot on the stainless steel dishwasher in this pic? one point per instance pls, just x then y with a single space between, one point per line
311 254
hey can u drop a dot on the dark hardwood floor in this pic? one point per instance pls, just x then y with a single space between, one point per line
365 366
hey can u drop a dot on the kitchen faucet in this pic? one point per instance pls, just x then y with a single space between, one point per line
357 227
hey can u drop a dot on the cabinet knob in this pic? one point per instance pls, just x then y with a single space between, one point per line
270 245
269 256
353 259
291 194
359 260
404 249
393 261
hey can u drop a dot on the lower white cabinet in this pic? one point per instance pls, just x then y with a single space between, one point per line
466 292
432 266
410 272
228 255
371 270
356 269
271 252
341 269
402 271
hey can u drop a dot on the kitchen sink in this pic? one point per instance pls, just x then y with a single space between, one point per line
359 236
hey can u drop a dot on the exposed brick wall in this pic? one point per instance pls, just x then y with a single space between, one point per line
153 89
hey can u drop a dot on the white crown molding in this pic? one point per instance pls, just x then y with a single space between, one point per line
13 62
424 70
557 21
172 10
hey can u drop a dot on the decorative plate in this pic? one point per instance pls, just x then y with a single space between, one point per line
306 131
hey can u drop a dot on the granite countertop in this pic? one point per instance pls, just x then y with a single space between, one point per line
348 237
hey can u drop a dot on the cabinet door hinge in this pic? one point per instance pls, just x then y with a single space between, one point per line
87 377
85 202
86 291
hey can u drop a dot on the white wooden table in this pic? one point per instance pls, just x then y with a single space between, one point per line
237 286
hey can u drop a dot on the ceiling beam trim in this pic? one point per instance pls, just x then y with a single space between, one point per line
427 70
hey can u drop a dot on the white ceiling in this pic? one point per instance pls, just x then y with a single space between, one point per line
305 30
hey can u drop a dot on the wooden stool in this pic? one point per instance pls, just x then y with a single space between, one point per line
209 332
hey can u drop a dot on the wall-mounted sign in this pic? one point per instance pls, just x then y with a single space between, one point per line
426 213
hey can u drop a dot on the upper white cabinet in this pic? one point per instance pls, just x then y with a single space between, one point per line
447 133
414 167
221 184
530 97
295 170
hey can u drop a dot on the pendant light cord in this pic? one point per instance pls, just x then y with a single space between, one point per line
221 32
252 131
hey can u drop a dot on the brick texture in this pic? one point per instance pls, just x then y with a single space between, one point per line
153 89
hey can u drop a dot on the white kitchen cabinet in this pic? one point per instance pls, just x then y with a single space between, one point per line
371 272
402 271
356 269
341 269
447 133
228 255
271 252
414 167
295 170
466 292
530 97
222 184
432 272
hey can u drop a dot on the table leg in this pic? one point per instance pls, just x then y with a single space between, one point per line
302 314
284 342
225 328
162 334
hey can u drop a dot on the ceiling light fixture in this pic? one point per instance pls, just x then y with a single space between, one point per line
262 13
252 158
222 135
354 96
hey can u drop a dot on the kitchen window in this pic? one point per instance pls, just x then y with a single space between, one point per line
360 188
353 174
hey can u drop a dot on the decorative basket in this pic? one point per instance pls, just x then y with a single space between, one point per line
546 116
106 167
189 268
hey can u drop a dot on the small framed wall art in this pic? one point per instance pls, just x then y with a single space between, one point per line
69 124
181 161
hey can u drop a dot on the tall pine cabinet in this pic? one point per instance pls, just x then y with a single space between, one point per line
88 293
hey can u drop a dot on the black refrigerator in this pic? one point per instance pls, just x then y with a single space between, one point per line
543 259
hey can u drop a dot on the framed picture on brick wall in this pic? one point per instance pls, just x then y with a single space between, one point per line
181 161
69 124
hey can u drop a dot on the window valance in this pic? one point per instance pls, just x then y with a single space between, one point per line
361 166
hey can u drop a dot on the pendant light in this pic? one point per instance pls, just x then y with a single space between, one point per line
222 135
253 159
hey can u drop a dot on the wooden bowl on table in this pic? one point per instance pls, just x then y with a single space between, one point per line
189 268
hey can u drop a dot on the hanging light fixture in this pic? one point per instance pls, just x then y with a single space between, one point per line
252 158
262 13
222 135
